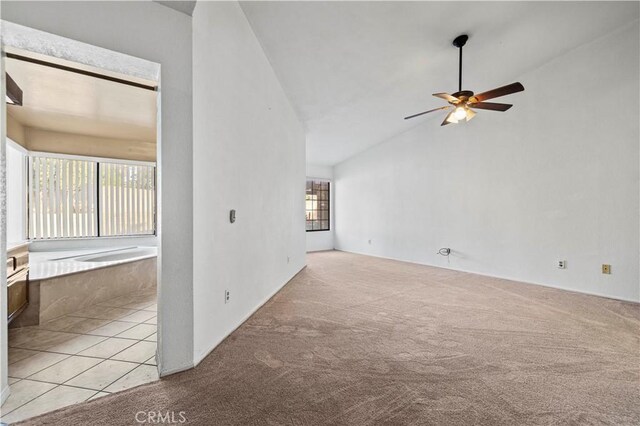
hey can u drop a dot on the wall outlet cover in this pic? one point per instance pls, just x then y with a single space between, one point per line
562 264
606 268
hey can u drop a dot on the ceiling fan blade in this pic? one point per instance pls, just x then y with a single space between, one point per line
496 93
426 112
493 106
450 118
447 97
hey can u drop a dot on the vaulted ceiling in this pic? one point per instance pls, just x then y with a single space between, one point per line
353 70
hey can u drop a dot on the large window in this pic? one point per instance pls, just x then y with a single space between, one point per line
317 205
74 198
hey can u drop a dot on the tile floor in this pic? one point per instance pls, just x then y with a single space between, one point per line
106 348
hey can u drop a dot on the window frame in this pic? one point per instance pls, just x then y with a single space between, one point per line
328 200
97 160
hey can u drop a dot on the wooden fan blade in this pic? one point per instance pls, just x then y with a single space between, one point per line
496 93
447 97
450 118
426 112
493 106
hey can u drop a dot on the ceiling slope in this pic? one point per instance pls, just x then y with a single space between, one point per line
353 70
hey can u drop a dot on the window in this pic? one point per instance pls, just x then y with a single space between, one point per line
75 198
62 198
317 205
127 199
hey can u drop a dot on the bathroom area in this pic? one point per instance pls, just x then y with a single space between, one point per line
81 211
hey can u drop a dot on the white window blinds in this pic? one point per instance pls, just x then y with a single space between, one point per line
127 199
71 198
62 198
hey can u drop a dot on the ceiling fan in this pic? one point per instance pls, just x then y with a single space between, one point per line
464 101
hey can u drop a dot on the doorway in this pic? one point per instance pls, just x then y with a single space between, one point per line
82 146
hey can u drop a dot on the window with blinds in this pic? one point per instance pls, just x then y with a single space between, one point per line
75 198
62 198
127 199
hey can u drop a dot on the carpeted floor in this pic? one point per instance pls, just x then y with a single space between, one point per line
359 340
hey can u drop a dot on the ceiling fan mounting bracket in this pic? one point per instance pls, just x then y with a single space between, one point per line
461 40
463 94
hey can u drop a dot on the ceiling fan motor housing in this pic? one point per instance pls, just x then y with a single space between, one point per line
463 95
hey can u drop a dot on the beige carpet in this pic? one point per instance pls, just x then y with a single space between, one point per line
358 340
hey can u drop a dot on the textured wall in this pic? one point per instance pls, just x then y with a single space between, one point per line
554 178
249 151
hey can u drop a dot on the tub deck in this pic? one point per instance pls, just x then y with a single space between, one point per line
51 264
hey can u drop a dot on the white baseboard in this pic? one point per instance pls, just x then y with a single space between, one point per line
572 290
176 370
199 358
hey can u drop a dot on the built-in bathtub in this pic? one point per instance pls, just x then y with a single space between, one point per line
63 282
128 254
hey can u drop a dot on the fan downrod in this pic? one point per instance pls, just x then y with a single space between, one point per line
458 42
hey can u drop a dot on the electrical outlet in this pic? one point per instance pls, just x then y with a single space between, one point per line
562 264
226 296
606 269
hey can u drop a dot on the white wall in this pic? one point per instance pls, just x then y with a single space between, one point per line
249 155
554 178
322 240
4 361
16 192
156 33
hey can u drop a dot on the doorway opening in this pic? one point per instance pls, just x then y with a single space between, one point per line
82 272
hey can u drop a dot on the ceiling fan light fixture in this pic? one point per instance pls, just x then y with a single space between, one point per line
470 114
451 118
461 113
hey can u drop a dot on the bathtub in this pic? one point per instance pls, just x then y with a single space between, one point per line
63 282
128 254
51 264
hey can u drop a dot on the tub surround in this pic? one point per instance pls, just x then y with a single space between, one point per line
51 264
64 295
64 282
93 243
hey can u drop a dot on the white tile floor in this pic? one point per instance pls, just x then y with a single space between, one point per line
106 348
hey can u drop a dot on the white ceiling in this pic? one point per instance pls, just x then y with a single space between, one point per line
65 101
183 6
353 70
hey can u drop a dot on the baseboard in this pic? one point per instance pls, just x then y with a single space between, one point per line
4 394
572 290
176 370
206 353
